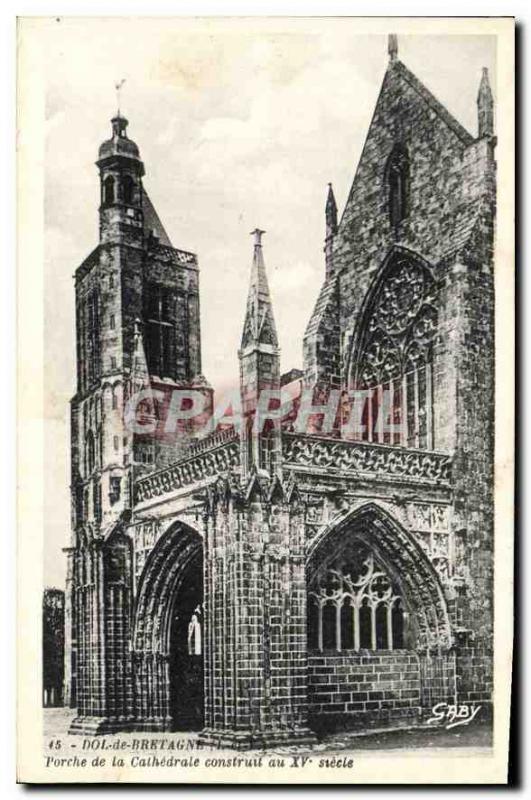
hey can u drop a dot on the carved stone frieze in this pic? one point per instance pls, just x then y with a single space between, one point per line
189 471
301 450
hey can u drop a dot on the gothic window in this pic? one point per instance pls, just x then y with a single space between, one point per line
398 184
161 317
108 191
394 366
267 452
115 485
353 605
79 503
127 189
143 454
93 336
81 344
91 453
96 495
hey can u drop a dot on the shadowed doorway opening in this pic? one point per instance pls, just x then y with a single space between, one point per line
186 650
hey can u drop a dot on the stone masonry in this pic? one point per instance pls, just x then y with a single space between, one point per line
286 575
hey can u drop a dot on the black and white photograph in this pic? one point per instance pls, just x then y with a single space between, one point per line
274 306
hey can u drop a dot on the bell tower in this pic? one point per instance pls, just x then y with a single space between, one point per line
137 324
121 172
108 300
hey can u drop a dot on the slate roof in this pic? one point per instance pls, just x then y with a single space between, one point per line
152 220
326 295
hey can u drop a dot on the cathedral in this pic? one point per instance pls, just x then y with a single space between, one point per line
301 570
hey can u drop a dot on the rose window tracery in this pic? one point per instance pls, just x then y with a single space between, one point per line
400 299
394 360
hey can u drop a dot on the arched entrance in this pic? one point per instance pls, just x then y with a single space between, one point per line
167 656
378 625
186 650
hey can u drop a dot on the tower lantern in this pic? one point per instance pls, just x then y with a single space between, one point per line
121 170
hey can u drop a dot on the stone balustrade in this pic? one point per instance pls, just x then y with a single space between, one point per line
364 458
220 452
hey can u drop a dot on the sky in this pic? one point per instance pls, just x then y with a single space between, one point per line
240 124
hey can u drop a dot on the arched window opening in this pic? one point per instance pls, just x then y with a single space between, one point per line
92 332
96 495
127 189
398 184
329 613
108 191
163 309
418 382
398 625
381 627
91 453
354 606
393 371
365 626
347 625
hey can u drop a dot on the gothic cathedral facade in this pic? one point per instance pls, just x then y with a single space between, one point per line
266 584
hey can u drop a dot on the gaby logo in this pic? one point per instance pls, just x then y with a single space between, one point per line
453 715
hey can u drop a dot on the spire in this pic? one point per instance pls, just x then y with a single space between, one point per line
392 47
259 326
485 106
260 438
331 229
331 212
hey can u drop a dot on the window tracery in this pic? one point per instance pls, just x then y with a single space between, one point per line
395 359
354 605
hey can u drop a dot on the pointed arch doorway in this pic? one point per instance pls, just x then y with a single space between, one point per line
168 635
186 650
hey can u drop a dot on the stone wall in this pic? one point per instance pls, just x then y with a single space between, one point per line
449 224
347 690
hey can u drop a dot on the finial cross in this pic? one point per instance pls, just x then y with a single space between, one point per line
257 233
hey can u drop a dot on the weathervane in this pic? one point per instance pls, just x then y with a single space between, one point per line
118 87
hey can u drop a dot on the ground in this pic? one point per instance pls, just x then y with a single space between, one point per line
474 737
